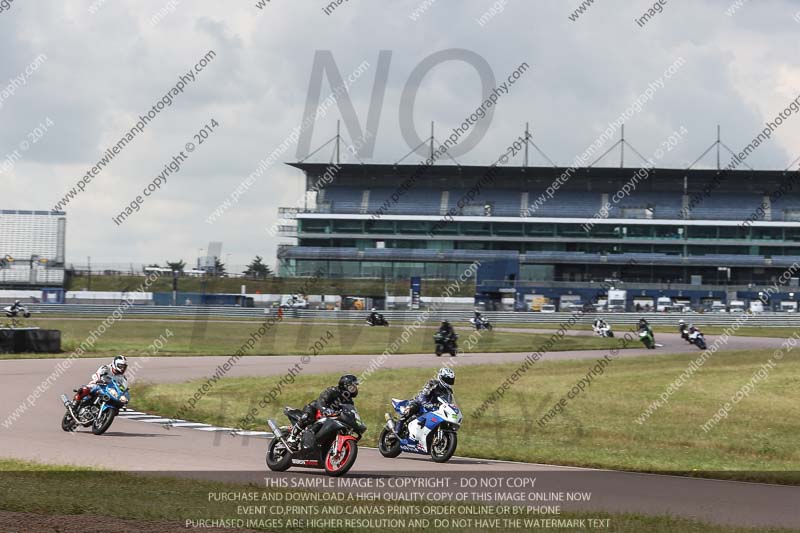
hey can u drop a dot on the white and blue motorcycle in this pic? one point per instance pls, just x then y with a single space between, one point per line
432 431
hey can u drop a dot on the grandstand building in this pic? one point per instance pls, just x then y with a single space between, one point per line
671 226
32 248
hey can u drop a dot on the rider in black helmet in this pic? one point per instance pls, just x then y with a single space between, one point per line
328 403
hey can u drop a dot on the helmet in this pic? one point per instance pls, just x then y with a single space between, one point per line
119 365
349 383
374 309
681 322
445 322
446 378
16 302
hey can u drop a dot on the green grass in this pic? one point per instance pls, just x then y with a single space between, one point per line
758 441
201 337
56 490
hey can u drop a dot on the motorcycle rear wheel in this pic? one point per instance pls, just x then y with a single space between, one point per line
388 444
281 463
103 422
350 450
67 423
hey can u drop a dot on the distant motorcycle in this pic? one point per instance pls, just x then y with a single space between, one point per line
378 321
330 443
603 331
98 410
646 336
480 323
445 344
14 312
698 339
433 431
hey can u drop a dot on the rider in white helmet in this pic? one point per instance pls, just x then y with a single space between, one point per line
115 370
441 385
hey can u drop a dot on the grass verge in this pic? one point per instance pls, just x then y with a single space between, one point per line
203 337
166 503
598 428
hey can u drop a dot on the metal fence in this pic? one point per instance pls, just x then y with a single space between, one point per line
498 317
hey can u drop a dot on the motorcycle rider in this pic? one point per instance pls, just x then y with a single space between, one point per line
373 316
13 308
644 326
329 402
111 371
441 385
446 329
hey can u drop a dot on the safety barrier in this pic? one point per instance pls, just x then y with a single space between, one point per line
498 317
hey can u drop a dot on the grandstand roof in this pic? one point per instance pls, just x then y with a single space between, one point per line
582 178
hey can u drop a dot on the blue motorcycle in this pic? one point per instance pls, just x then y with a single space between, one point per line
433 431
98 409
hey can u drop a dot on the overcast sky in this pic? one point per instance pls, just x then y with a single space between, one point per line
107 63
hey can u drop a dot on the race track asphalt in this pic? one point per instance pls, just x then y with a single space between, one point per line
137 446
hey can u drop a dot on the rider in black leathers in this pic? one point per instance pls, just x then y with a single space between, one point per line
328 403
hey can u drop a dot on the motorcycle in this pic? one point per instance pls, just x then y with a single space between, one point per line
698 339
379 320
445 343
646 336
12 312
480 323
603 331
434 431
331 442
97 410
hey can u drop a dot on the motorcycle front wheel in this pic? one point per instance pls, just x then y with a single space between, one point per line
443 447
103 422
278 456
388 444
340 467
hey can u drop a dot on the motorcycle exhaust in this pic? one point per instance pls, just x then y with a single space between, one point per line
389 423
68 405
278 433
275 429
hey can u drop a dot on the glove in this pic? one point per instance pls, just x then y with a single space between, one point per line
327 412
430 406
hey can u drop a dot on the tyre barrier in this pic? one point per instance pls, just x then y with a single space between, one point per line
30 340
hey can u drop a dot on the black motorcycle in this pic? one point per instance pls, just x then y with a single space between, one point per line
445 343
330 443
377 321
